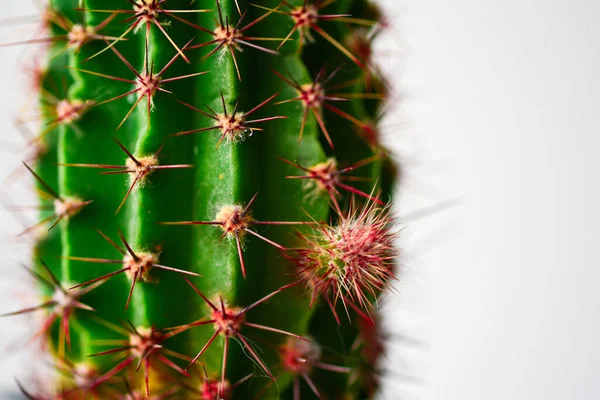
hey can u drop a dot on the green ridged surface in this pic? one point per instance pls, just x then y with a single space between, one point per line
225 175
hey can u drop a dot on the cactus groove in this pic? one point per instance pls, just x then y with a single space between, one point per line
220 224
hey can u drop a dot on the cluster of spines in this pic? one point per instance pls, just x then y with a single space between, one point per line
317 256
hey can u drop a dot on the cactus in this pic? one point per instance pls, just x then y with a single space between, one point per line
220 201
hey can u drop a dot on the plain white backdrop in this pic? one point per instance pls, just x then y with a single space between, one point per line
499 106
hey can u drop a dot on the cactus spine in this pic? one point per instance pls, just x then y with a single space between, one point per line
182 262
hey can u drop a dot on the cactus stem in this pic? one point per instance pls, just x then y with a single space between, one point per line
234 128
343 255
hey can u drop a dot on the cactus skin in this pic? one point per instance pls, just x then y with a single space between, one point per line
162 306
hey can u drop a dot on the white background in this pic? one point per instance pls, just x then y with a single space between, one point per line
498 297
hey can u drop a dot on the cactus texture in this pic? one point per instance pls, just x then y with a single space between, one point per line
218 199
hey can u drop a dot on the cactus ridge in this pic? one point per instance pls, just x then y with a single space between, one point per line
141 302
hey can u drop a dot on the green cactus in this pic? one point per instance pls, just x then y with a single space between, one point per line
182 262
